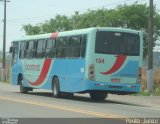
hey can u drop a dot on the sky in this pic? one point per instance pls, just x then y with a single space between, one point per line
22 12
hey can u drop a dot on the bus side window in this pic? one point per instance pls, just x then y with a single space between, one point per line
30 49
41 44
35 49
22 50
74 46
27 50
50 48
83 45
15 52
62 47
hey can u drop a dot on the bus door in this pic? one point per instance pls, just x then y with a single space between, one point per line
14 60
14 53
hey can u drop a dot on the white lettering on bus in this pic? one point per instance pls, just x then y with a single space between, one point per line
32 67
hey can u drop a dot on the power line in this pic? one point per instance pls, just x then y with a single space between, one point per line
125 1
10 35
43 16
20 19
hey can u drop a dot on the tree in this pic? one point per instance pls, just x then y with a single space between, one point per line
32 30
59 23
133 16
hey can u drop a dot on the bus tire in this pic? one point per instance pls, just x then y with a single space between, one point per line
98 96
70 95
22 88
56 87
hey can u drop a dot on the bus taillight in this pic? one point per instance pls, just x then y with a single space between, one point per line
91 72
139 75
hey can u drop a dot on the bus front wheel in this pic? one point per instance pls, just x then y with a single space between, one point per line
95 95
22 88
56 88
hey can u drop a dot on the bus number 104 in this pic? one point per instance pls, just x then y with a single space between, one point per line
100 60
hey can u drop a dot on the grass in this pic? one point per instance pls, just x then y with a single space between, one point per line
156 81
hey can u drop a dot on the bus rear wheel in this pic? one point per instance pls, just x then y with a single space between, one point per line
98 96
56 88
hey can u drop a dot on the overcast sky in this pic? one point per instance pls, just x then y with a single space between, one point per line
21 12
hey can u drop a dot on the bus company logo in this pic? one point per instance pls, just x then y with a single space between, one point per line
32 67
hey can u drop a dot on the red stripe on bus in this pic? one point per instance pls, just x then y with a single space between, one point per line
118 63
54 35
43 73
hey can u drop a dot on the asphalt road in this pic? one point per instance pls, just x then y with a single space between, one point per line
41 104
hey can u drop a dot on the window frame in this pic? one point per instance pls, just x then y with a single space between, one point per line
74 47
40 52
52 49
62 50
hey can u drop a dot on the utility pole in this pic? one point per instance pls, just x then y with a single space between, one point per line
4 43
150 49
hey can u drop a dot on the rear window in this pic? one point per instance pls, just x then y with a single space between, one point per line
118 43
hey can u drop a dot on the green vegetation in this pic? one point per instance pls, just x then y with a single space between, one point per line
156 92
156 80
133 16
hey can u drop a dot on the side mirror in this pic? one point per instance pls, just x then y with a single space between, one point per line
12 49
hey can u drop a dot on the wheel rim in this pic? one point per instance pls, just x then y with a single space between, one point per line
55 92
55 88
21 86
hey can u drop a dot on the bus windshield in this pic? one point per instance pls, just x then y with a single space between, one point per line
117 43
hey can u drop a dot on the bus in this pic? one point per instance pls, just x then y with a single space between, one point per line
98 61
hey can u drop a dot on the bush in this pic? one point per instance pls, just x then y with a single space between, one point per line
156 81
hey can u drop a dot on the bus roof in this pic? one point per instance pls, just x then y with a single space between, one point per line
74 32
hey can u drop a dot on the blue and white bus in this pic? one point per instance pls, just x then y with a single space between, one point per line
97 61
